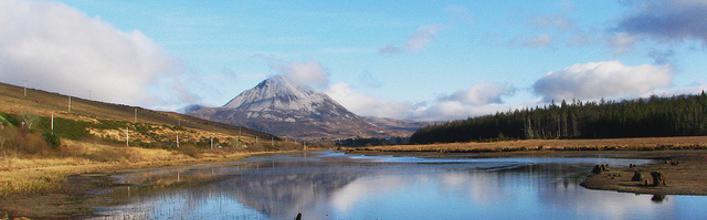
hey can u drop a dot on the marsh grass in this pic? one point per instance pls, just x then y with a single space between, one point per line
638 144
36 174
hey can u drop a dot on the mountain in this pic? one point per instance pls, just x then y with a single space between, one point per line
283 107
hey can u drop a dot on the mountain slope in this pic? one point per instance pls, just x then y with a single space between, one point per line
280 106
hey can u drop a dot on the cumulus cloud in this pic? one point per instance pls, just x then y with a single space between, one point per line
367 105
58 48
672 20
607 79
310 73
416 42
479 99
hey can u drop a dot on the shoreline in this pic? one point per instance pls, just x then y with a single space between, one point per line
70 191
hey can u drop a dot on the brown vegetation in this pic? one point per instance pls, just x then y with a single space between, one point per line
637 144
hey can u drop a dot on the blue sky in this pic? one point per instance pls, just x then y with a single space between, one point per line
424 60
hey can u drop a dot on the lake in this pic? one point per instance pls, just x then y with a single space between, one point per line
331 185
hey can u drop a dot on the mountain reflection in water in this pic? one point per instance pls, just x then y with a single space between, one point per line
337 186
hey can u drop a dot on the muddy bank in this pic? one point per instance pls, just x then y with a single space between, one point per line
675 173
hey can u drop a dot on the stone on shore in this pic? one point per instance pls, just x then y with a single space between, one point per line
658 178
637 177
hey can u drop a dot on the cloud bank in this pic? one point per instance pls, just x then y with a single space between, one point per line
52 46
479 99
607 79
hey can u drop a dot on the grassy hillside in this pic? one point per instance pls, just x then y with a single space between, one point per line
93 120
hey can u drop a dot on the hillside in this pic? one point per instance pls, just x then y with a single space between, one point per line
106 122
684 115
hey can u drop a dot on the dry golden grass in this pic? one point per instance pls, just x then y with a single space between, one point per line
32 174
658 143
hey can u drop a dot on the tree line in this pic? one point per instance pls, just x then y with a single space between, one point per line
683 115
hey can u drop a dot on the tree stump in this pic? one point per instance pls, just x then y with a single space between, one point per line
658 178
637 177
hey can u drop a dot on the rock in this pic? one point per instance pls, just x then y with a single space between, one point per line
637 177
597 169
658 178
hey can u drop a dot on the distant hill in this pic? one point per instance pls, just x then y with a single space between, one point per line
107 122
283 107
684 115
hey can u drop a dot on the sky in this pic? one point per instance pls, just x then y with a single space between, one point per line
416 60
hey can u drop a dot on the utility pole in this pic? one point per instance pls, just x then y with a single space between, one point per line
127 137
24 88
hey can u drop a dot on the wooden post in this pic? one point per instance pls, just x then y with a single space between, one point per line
52 126
177 140
127 137
212 143
135 119
272 141
69 104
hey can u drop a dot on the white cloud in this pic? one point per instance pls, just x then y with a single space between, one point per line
607 79
481 94
479 99
310 73
366 105
58 48
417 41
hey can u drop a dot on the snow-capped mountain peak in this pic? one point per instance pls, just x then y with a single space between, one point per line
278 93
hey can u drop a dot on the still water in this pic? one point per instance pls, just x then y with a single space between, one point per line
330 185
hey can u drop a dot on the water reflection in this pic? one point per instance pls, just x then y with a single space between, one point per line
335 186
